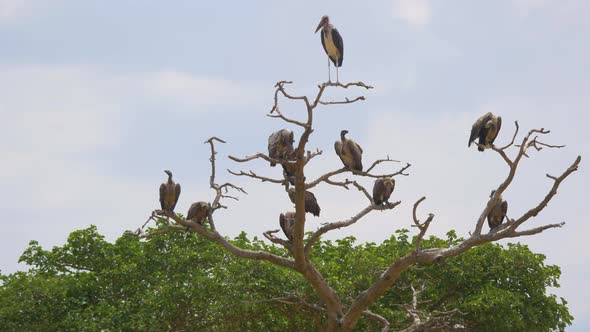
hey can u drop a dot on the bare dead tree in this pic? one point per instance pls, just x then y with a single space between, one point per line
344 316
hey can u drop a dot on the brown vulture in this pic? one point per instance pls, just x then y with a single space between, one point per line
289 168
497 212
280 145
169 193
486 128
311 203
198 212
349 152
287 222
382 189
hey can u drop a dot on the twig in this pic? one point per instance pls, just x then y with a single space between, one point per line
335 225
423 227
255 176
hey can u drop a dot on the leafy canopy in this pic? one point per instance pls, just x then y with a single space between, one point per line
179 281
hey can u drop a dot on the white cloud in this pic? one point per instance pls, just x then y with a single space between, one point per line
417 13
10 9
181 87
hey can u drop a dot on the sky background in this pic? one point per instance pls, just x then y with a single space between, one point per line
98 98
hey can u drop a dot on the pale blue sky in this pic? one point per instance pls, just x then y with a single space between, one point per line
97 98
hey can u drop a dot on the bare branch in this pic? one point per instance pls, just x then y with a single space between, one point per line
552 192
340 102
513 137
335 225
255 176
363 190
378 161
269 235
213 235
535 230
423 227
399 172
326 177
380 319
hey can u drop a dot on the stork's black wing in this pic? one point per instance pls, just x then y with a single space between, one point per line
339 45
378 189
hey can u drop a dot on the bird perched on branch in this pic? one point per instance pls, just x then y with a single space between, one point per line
332 43
311 203
287 222
486 128
198 212
349 152
169 193
497 212
280 145
382 190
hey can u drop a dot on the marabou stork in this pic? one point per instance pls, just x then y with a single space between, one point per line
382 190
497 212
486 128
198 212
332 43
287 222
311 203
169 193
349 152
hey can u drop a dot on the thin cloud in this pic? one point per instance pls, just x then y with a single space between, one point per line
416 13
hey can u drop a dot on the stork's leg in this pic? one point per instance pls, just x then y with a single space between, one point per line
329 79
337 81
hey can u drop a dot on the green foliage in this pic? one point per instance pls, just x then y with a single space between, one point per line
181 282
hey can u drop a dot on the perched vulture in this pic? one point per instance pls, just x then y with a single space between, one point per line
198 212
382 189
280 145
289 172
311 203
169 193
486 128
349 152
287 222
498 211
289 168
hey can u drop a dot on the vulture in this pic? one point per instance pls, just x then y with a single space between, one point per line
289 172
332 43
382 189
198 212
289 168
486 128
280 145
311 203
498 211
349 152
169 193
287 222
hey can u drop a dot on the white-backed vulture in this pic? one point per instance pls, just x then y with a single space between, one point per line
169 193
311 203
349 152
382 190
198 212
486 128
289 168
280 145
498 211
287 222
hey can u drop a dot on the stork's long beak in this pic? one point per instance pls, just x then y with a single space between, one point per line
319 26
